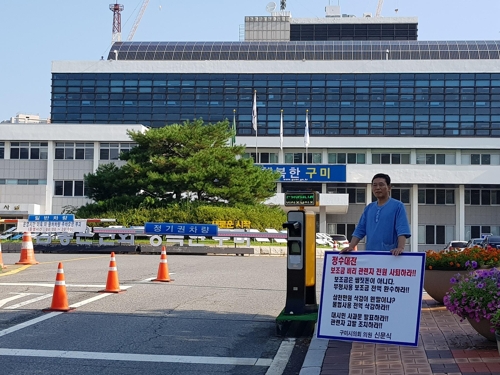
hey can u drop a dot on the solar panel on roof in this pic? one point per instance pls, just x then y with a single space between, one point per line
323 50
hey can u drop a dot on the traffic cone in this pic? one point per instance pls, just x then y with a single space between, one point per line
163 267
112 284
27 252
1 258
60 297
335 246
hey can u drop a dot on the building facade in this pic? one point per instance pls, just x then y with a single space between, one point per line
425 112
43 168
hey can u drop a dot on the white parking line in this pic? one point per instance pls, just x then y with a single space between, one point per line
24 303
8 299
28 323
51 285
53 314
282 357
233 361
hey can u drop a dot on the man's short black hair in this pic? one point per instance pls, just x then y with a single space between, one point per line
384 176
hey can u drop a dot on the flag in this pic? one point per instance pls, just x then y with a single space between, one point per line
233 137
254 111
306 132
281 131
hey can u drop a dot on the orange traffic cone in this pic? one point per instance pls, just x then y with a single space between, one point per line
27 252
335 246
163 267
112 284
1 258
60 297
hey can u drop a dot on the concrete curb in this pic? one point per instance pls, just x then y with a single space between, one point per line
314 356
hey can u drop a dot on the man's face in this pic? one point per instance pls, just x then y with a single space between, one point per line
380 188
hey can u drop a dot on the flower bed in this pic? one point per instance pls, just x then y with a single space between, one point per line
456 259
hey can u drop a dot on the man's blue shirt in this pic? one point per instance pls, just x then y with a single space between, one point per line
382 225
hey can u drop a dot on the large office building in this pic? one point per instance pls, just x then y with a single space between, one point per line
375 98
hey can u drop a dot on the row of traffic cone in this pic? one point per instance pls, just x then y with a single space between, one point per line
60 296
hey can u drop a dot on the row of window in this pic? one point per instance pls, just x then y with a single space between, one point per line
377 158
65 150
427 234
464 94
218 79
442 234
71 99
473 197
22 181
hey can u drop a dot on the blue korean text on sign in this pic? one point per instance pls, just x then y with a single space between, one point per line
181 229
51 217
309 172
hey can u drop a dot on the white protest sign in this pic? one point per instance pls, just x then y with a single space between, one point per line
372 297
79 225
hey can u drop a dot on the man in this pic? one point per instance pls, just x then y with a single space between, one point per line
383 222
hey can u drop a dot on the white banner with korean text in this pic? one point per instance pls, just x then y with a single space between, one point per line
372 297
78 226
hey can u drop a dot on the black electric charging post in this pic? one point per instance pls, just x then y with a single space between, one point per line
300 307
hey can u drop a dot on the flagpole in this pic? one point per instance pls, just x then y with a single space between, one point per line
233 138
281 131
306 133
254 123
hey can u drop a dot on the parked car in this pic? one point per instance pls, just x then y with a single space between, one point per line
492 242
340 239
456 244
475 242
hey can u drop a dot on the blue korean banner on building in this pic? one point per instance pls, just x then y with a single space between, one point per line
70 217
309 172
181 229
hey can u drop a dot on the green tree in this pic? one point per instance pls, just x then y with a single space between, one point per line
109 181
188 161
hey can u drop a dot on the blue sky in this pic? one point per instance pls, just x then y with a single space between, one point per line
36 32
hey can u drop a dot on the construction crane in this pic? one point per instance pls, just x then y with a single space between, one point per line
379 8
138 19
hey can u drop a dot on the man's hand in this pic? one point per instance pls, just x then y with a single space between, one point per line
397 251
347 249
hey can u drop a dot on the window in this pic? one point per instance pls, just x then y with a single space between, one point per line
346 229
268 157
69 188
389 158
435 234
436 196
2 150
74 151
356 195
300 158
346 158
483 197
112 151
475 231
481 159
265 157
431 158
402 195
29 150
